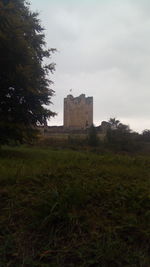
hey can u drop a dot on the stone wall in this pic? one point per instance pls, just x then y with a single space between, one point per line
78 112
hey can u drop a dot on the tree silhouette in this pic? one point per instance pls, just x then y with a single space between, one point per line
24 85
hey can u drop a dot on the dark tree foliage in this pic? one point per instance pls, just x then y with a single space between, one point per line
119 135
114 123
146 135
24 87
92 136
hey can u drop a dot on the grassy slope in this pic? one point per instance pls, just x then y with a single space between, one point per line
67 208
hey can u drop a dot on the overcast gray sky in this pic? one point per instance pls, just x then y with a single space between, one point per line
104 52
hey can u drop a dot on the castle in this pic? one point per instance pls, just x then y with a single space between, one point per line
78 112
78 117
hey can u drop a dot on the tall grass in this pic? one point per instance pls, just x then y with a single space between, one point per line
69 208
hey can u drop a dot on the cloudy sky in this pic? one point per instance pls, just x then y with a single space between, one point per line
103 51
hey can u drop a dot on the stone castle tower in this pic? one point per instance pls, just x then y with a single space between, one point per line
78 112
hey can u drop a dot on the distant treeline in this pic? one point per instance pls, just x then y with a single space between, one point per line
112 136
120 137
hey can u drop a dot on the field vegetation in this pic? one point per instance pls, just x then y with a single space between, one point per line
73 208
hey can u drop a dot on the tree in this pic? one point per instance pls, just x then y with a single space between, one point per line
119 135
24 85
92 136
114 123
146 135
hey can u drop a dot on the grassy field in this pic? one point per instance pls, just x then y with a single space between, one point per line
70 208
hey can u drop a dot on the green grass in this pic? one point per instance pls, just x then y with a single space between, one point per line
71 208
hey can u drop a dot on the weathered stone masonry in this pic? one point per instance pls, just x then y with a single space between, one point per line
78 112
